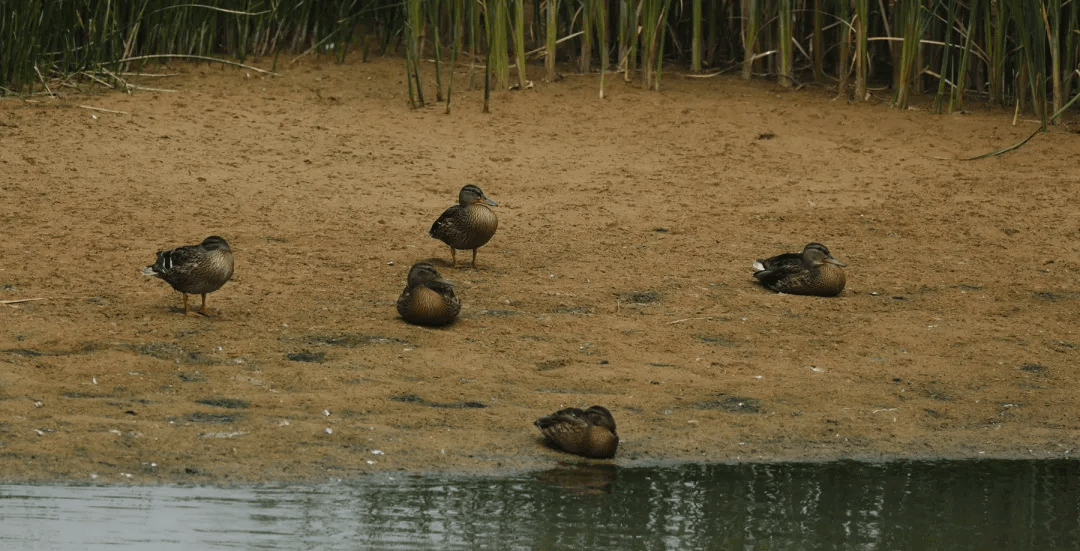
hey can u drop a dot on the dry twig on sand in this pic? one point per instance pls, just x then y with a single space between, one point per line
688 319
19 300
200 57
104 110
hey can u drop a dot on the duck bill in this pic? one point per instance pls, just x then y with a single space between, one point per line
489 201
832 260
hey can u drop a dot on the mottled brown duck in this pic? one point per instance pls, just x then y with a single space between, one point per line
468 224
428 299
814 271
195 269
589 433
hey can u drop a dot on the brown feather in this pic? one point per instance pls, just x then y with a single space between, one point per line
428 299
468 225
589 433
195 269
813 272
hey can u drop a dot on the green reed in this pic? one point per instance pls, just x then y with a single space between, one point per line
519 42
817 45
60 39
696 41
457 15
957 101
861 22
601 18
585 56
751 16
1023 54
628 38
496 18
551 35
1052 17
413 31
784 39
945 57
914 20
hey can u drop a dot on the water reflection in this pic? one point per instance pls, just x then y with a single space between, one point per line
904 505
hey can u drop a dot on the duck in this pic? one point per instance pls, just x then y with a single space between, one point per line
588 433
814 271
195 269
428 299
468 224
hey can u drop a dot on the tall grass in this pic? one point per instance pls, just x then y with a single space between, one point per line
914 19
519 42
1020 54
414 28
57 39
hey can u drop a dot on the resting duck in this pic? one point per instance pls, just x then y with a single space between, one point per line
814 271
468 224
589 433
428 299
195 269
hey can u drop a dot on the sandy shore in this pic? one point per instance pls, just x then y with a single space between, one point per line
620 275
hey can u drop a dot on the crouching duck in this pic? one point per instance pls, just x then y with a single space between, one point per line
428 299
814 271
589 433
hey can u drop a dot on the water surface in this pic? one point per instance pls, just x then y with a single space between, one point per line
781 506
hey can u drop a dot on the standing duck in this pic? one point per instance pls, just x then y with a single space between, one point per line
814 271
589 433
195 269
468 224
428 299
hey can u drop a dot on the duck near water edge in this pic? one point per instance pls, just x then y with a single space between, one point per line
588 433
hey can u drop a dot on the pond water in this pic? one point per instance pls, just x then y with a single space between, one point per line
842 505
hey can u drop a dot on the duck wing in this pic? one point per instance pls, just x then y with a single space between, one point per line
443 223
175 261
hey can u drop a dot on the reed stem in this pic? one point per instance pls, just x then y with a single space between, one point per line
862 16
551 9
817 44
784 39
519 42
695 39
751 16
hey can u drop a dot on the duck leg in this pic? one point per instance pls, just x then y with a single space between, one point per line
188 312
203 309
474 258
453 256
